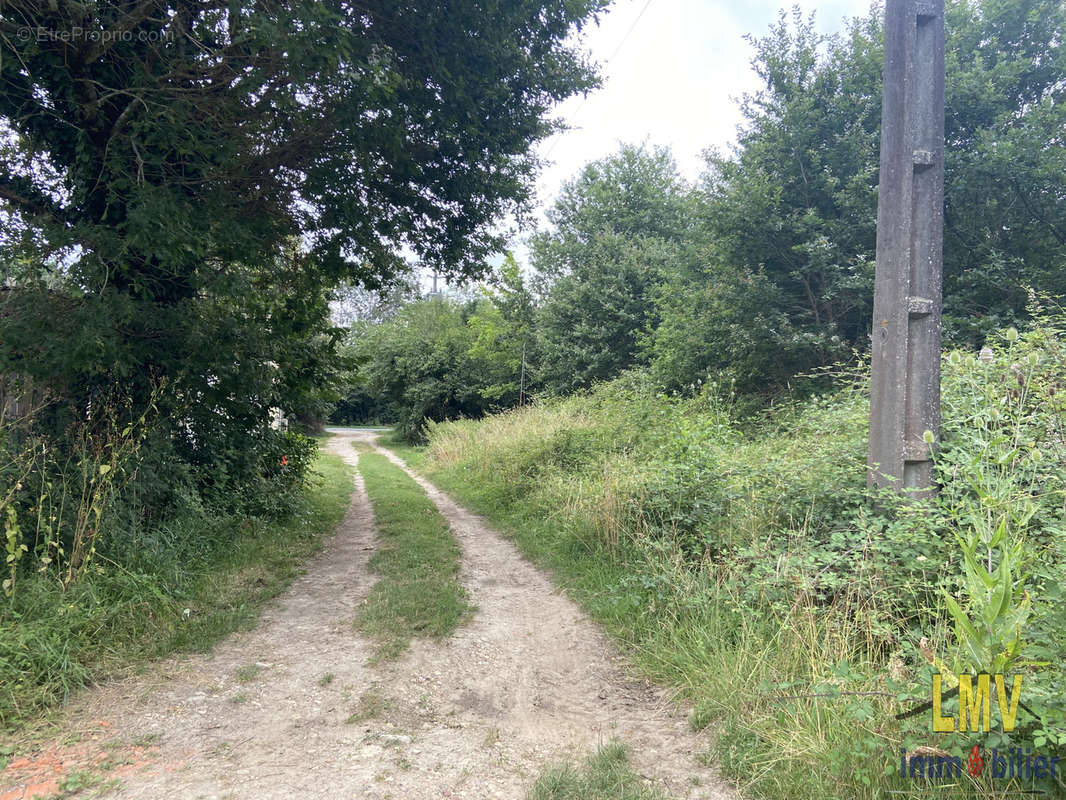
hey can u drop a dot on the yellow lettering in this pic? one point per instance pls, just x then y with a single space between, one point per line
1009 713
975 704
940 724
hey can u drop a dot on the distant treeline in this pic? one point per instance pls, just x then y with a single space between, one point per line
763 269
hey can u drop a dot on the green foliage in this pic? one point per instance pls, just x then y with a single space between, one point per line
285 461
168 173
418 593
589 326
264 342
182 186
605 775
618 229
181 585
724 326
441 358
13 547
796 202
765 270
58 494
1003 471
419 363
502 328
747 563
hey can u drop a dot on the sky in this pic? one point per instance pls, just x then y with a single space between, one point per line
673 73
675 79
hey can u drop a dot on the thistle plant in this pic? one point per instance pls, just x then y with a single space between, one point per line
994 478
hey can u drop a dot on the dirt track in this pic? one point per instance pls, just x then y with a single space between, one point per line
292 709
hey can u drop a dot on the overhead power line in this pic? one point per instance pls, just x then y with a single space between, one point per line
606 63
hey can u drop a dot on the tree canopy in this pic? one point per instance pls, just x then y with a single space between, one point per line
617 229
183 183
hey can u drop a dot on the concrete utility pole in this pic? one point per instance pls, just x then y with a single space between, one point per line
522 379
905 380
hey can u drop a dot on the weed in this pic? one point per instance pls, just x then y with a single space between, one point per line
81 781
606 775
220 749
372 705
145 740
248 673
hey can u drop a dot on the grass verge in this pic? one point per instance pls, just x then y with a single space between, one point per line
683 630
696 545
418 593
606 775
183 594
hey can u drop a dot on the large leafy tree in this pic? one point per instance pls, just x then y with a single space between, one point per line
421 364
1005 183
795 203
503 327
616 230
162 137
717 323
443 356
156 158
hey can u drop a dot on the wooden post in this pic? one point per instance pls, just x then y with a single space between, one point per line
905 377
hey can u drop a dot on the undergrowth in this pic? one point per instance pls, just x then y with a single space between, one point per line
183 585
748 564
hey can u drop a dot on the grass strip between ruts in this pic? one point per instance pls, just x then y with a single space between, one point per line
418 593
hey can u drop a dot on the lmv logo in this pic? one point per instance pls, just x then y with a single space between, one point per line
975 703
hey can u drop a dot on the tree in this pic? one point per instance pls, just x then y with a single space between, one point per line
156 160
617 228
796 201
503 329
442 357
170 137
418 365
1005 183
717 324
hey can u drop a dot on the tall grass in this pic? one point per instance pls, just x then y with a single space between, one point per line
193 580
747 565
